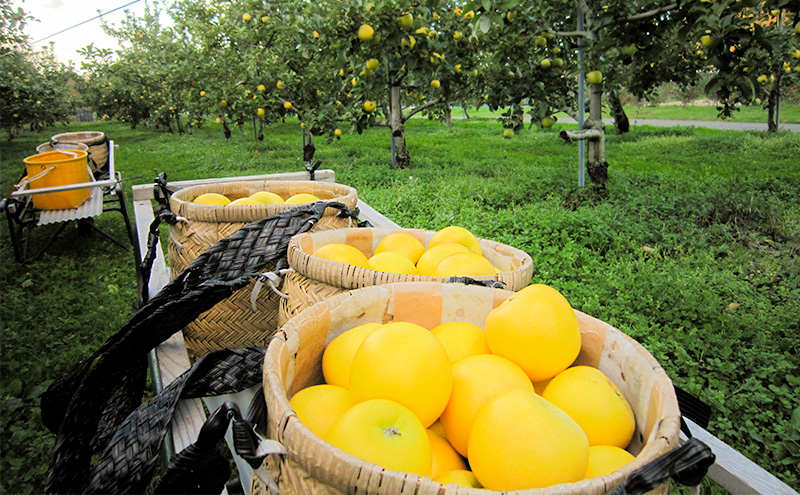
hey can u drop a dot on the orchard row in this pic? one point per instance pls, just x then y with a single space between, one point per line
352 64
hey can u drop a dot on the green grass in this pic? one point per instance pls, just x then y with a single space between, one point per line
693 250
790 113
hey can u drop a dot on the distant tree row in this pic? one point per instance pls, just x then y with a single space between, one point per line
35 89
361 63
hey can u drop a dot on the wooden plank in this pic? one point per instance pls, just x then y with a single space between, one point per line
370 214
145 191
735 472
170 357
189 414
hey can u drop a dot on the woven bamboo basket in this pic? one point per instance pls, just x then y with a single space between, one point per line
312 466
315 279
234 322
96 141
45 147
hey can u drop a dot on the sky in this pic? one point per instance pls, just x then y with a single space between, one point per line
55 15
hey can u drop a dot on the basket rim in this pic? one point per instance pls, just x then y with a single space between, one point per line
42 158
310 446
182 205
85 137
348 276
43 146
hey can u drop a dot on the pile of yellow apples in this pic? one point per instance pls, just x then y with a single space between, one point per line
500 405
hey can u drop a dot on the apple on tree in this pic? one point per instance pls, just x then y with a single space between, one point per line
594 77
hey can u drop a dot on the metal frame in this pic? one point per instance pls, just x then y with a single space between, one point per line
23 217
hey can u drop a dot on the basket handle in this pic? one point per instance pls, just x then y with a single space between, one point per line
27 180
687 465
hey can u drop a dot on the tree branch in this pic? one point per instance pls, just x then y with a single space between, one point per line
568 110
584 34
649 13
583 9
420 108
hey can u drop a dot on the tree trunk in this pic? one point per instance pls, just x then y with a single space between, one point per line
308 147
179 124
595 161
260 126
772 105
466 115
621 121
402 158
226 129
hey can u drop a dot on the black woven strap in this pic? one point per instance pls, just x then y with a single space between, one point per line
687 465
74 405
153 235
183 473
493 284
129 459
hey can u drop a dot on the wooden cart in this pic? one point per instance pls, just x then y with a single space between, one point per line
732 470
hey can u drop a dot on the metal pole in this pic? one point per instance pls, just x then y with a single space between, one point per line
581 104
391 134
778 99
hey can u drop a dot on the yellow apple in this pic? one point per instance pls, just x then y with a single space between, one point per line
406 20
365 32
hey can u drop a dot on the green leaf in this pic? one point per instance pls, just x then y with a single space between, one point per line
484 23
487 5
713 85
796 418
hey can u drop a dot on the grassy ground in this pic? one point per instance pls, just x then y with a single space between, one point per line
693 250
790 113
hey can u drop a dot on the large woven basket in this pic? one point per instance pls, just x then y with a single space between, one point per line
45 147
313 466
233 322
97 143
315 279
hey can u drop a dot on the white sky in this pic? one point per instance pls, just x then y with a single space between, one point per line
55 15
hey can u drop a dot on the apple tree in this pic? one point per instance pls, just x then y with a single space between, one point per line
35 88
754 49
389 52
524 65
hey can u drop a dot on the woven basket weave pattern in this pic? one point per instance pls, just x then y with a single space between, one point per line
233 322
316 279
293 362
95 140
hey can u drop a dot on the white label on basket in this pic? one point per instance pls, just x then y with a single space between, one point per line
469 304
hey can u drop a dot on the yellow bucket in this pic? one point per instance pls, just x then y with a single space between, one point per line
58 168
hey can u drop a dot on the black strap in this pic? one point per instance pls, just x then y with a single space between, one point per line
74 404
162 192
183 476
693 408
687 464
494 284
129 459
153 236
